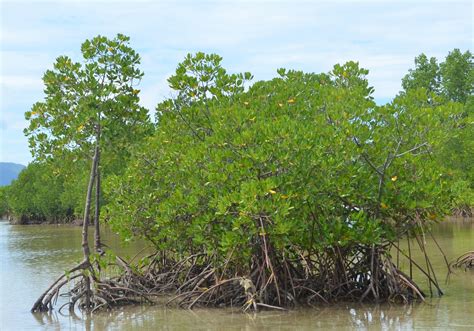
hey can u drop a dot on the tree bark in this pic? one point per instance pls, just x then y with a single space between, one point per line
97 243
97 206
85 225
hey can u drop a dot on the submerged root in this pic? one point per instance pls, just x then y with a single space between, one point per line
274 282
463 210
465 261
91 293
48 298
271 281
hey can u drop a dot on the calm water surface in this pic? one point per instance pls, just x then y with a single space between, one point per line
32 257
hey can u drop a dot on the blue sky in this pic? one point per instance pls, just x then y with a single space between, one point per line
255 36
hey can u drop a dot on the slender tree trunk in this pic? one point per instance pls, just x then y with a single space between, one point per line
97 243
85 225
97 206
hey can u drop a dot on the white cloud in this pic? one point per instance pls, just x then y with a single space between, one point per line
256 36
20 82
152 94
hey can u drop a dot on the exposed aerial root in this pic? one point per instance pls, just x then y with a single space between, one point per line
91 293
463 210
271 281
465 261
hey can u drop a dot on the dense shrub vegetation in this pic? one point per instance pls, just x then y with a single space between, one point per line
271 193
303 170
451 81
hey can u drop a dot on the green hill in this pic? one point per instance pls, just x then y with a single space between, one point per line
9 171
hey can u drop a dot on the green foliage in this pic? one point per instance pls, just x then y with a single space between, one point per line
201 77
90 103
4 208
457 72
451 82
453 79
37 195
82 100
425 75
306 160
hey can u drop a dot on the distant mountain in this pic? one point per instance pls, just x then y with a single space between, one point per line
9 171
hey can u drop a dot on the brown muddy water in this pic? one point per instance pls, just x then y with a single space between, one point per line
32 256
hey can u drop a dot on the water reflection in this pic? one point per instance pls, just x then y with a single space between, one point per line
337 317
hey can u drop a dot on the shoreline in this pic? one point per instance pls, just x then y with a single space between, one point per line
24 220
79 222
